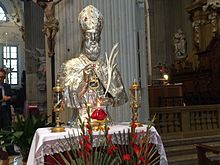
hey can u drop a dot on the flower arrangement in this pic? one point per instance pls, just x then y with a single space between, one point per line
163 69
131 147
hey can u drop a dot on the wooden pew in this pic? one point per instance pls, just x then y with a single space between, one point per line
202 158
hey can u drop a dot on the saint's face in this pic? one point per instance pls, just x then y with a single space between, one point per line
91 45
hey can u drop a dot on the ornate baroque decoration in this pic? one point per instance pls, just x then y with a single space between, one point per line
17 16
11 37
212 17
196 27
212 6
199 71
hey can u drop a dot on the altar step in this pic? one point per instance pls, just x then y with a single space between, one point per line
183 151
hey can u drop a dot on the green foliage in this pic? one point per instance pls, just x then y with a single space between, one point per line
22 132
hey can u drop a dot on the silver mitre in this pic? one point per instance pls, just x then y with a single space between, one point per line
90 18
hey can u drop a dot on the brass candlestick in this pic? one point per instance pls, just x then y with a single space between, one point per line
58 106
135 103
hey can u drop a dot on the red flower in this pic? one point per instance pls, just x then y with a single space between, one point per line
111 149
107 129
139 141
141 159
87 126
136 150
143 149
126 157
85 138
146 163
135 136
80 142
79 153
109 139
87 147
89 131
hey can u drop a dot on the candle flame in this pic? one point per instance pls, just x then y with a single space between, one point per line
98 103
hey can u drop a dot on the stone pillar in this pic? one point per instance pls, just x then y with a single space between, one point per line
34 55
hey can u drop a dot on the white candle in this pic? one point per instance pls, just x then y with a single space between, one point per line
135 91
6 44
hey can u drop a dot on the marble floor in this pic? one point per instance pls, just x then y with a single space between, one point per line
14 160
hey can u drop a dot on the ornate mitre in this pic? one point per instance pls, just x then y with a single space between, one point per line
90 18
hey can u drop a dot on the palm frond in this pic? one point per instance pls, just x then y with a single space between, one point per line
110 65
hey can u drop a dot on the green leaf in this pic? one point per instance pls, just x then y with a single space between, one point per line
22 132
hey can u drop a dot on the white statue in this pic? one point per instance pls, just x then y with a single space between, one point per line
179 44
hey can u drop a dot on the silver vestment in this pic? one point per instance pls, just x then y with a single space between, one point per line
72 78
85 78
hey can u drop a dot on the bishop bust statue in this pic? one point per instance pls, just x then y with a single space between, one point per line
86 77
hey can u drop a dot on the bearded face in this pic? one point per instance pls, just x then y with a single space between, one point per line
91 46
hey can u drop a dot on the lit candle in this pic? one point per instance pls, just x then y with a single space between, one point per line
98 112
98 103
135 90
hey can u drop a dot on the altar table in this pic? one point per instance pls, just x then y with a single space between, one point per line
46 143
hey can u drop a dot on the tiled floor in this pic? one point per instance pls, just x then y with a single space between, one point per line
14 160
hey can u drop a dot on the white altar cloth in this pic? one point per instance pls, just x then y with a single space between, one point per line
44 141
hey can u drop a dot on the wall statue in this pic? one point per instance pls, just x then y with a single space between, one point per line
39 55
179 42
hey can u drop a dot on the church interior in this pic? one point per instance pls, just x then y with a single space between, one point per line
166 55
